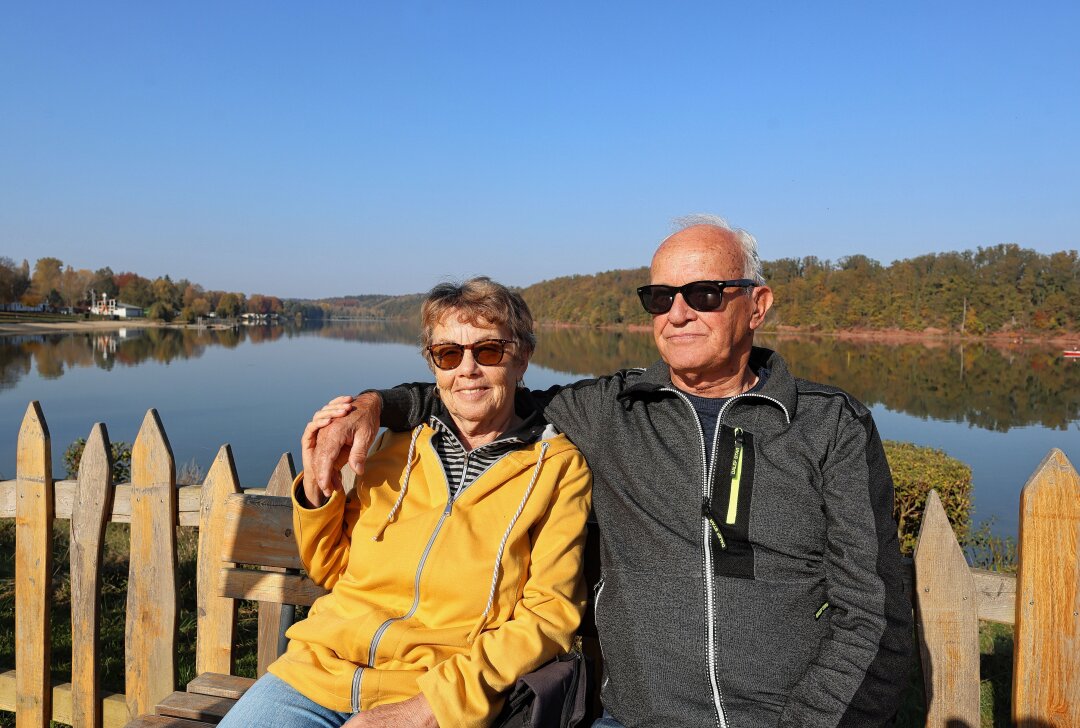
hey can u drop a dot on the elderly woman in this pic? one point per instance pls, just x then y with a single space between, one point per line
454 567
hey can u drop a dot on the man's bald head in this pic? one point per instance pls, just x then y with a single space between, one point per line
711 236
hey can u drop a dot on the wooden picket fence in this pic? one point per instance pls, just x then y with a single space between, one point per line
1042 601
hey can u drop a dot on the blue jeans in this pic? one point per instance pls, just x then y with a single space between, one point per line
607 721
272 702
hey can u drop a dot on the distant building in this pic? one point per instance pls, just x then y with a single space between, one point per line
106 306
22 308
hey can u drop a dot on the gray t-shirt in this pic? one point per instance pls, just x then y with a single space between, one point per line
708 410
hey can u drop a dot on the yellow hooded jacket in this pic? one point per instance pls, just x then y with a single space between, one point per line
455 599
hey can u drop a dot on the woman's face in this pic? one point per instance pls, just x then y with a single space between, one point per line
477 396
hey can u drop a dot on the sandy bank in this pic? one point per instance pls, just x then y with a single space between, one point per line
58 327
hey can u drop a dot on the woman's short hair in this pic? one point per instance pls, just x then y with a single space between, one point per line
479 301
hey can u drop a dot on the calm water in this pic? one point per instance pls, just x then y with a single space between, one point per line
999 410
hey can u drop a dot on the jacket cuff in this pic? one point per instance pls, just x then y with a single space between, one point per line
299 497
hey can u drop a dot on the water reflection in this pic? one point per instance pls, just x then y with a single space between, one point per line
995 388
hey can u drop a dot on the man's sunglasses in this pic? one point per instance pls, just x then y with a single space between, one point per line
699 295
488 353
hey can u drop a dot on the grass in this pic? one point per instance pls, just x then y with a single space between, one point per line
995 641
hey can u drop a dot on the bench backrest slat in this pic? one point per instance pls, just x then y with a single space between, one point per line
216 620
269 587
259 532
275 618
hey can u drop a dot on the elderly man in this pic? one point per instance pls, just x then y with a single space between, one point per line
750 565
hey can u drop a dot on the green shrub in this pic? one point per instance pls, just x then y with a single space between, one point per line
121 459
915 471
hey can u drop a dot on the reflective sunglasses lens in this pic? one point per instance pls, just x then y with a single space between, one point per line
657 299
447 356
488 354
704 296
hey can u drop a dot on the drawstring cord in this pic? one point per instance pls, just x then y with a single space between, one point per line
502 546
404 485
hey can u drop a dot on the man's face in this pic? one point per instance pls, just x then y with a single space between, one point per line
705 343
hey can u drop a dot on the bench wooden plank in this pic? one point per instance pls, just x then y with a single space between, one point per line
33 571
268 586
275 618
222 686
259 531
113 705
195 706
151 629
90 514
165 721
216 615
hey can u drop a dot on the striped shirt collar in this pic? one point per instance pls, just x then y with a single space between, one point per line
462 467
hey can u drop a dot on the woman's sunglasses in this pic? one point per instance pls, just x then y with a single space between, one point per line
699 295
488 353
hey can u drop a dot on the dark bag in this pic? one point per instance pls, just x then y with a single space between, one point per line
552 696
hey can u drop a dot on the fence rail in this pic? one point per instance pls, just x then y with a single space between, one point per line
949 597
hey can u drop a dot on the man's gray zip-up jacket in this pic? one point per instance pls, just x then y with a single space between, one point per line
760 589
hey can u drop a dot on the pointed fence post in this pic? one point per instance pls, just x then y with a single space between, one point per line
33 571
348 479
216 621
275 618
89 514
150 640
948 620
1046 657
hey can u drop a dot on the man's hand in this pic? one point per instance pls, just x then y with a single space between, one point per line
340 432
337 407
411 713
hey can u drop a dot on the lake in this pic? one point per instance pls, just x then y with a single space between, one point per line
998 409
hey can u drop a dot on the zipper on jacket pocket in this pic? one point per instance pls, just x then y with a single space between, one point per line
736 477
706 513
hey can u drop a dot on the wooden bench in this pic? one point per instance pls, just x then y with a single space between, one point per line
256 559
246 551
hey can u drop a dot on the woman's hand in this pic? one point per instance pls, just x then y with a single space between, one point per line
316 496
411 713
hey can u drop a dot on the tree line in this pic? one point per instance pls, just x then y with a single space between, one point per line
999 289
60 287
1003 288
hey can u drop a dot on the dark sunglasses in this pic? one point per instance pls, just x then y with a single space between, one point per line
488 353
699 295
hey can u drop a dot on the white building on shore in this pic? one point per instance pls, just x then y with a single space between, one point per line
106 306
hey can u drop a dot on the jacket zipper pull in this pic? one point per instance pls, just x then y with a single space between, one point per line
736 478
706 513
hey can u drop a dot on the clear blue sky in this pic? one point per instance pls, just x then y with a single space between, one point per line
311 149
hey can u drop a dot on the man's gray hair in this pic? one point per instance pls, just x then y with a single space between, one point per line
747 242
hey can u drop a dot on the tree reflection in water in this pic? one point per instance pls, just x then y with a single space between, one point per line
986 386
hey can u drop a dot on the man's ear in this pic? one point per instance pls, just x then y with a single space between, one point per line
763 300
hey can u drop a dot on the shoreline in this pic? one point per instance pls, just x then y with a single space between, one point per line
61 327
888 336
896 336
